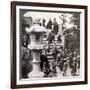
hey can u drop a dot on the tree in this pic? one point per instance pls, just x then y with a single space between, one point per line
75 32
63 18
75 19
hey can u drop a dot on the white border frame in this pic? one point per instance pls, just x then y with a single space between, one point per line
50 80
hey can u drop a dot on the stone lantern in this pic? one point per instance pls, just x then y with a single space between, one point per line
36 36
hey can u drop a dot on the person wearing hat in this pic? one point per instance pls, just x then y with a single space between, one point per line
59 58
74 65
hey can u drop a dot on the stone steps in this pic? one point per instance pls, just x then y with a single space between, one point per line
49 55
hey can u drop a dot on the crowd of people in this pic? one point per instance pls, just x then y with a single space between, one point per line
66 62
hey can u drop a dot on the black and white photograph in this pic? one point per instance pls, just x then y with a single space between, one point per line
49 44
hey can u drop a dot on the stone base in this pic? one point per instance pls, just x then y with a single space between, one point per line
34 74
59 73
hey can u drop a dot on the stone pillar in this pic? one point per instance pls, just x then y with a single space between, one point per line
36 36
